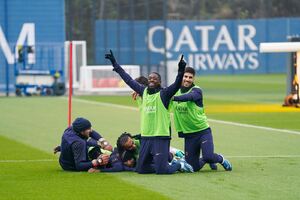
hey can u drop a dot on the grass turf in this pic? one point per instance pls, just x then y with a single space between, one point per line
32 174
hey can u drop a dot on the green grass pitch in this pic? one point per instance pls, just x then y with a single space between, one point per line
265 157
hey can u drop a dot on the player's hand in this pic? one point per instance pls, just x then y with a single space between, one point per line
110 56
181 64
56 149
134 95
103 159
108 148
104 144
93 170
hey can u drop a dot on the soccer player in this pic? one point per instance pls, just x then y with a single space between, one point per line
191 124
127 137
155 120
128 143
117 162
74 147
135 96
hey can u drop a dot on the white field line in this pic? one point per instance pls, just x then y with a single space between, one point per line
253 126
22 161
104 104
266 156
238 157
211 120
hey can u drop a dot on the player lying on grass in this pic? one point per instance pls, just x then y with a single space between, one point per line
116 162
124 157
74 147
155 119
127 143
80 140
191 124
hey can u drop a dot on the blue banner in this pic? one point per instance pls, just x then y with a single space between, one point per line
211 47
32 36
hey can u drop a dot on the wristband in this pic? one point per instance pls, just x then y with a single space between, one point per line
95 164
99 160
102 142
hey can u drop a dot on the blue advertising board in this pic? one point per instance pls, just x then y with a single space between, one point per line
211 47
37 27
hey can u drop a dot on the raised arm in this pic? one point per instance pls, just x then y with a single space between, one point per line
125 76
168 92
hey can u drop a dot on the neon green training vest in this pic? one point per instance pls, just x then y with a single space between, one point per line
188 117
155 117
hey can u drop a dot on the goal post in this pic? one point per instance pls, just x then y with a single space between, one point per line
294 48
102 78
279 47
79 59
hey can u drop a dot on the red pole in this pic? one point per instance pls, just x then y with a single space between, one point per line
70 83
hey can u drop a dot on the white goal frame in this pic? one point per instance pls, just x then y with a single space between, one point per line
277 47
110 82
79 58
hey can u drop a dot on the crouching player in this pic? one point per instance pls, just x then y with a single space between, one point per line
74 147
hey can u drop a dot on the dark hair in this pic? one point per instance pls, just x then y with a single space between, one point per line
142 80
159 77
190 70
122 139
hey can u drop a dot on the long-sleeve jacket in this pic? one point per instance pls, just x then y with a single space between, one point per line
74 154
115 164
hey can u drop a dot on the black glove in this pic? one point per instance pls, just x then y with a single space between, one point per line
56 149
111 57
181 64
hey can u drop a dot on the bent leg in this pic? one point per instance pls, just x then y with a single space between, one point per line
145 160
207 147
160 152
192 152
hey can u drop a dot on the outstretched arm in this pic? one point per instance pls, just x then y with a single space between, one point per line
99 140
125 76
117 167
194 95
95 135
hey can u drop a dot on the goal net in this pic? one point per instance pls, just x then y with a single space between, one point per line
101 78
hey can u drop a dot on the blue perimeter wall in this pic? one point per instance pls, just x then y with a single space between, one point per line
48 17
211 47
